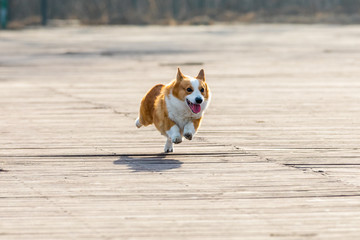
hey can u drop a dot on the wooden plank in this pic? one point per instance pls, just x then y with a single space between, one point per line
277 155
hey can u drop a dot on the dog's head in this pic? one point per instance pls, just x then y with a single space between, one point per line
193 91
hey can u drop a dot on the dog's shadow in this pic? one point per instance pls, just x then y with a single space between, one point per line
148 162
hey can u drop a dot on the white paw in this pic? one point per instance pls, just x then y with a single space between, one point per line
176 139
188 135
137 123
168 149
189 131
168 146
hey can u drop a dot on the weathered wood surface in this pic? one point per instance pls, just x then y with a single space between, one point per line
277 156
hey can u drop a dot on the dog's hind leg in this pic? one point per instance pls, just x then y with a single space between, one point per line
168 146
138 123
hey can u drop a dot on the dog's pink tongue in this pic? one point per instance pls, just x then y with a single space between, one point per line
196 108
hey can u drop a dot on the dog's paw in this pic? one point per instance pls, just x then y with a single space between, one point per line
137 123
176 139
168 149
188 136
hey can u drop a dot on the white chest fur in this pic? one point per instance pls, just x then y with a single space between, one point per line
179 111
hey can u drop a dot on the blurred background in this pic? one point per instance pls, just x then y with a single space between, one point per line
21 13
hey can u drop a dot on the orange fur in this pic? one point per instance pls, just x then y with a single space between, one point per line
179 88
197 123
154 109
161 119
147 105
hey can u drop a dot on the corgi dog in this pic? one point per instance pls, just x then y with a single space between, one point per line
176 109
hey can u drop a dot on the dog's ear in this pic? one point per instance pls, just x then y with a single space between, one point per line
201 75
179 76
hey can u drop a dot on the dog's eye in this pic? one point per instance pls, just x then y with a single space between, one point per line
189 90
202 90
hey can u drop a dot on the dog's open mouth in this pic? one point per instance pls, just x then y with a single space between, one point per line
195 108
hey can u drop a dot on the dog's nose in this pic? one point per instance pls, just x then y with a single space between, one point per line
198 100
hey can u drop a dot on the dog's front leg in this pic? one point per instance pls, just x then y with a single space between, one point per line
174 134
168 146
189 130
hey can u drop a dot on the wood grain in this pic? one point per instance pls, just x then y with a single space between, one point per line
277 155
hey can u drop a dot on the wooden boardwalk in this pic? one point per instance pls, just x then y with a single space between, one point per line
277 156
